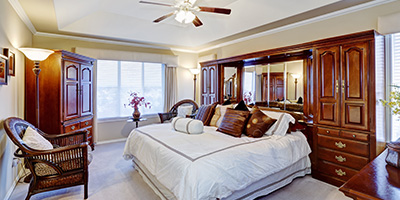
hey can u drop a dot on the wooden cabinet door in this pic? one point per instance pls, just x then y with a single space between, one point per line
213 90
204 85
71 100
328 96
354 76
86 91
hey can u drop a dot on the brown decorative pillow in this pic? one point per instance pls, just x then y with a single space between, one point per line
234 122
258 124
205 113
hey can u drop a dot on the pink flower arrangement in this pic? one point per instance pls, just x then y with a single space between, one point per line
248 97
135 101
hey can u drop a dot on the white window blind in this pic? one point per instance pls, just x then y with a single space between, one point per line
115 79
395 80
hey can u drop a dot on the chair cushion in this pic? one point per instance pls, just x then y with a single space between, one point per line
234 122
36 141
42 169
205 113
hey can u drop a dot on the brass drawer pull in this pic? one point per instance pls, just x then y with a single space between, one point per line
340 145
327 132
337 86
89 133
339 172
86 123
354 136
72 127
340 158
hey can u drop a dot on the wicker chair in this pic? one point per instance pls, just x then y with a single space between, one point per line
173 112
61 167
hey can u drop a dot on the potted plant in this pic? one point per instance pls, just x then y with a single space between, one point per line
393 157
135 101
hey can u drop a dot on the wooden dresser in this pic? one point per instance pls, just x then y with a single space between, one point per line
66 93
344 116
377 180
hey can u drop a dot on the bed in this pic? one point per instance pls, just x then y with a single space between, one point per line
213 165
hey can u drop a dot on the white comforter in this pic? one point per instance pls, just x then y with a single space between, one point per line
211 165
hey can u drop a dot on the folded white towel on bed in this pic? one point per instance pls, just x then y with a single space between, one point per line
187 125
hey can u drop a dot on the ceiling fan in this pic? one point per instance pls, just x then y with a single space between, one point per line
185 11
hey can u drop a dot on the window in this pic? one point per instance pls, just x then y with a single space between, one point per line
115 79
394 79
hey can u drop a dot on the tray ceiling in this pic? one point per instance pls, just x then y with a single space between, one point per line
128 20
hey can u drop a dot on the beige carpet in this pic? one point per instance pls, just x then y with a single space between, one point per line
113 178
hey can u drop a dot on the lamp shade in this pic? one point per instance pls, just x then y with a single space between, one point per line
295 75
195 71
36 54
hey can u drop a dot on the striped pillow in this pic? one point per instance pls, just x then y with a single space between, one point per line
234 122
205 113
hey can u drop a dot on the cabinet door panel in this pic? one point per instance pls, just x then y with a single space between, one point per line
71 102
204 85
328 98
212 74
86 90
354 74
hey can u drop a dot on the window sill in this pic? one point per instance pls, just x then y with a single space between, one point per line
124 119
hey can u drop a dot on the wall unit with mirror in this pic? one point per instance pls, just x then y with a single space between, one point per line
336 80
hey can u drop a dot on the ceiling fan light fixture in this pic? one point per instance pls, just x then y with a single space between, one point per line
186 17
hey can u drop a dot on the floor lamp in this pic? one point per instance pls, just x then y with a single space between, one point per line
36 55
295 76
194 72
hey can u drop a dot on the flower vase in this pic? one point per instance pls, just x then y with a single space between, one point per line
136 113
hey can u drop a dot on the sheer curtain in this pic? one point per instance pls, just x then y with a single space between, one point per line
170 87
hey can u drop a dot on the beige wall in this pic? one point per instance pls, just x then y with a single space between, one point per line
13 34
350 23
120 129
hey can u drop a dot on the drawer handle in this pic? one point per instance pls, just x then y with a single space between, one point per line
340 158
339 172
72 127
354 136
340 145
327 132
89 133
86 123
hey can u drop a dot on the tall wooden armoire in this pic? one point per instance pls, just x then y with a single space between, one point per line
346 137
66 93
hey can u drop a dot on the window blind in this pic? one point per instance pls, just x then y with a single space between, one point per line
395 79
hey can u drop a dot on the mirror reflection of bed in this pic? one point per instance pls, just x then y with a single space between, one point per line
285 88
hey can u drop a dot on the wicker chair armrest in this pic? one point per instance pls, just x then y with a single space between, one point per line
66 139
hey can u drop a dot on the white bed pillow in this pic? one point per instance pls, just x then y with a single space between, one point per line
184 110
281 126
36 141
187 125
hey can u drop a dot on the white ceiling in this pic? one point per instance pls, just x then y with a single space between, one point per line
129 20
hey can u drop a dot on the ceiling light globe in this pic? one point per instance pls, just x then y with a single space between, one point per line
180 16
189 17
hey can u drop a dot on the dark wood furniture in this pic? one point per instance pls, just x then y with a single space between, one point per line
377 180
66 93
61 167
137 120
276 86
174 110
339 98
344 116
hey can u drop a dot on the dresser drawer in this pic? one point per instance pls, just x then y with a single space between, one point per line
345 145
336 171
345 159
86 123
354 135
328 131
71 127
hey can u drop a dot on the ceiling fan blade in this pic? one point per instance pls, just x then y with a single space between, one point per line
163 17
155 3
196 22
215 10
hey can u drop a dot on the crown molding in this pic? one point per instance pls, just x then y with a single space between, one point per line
22 15
301 23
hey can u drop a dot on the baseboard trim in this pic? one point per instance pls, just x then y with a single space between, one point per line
111 141
10 191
